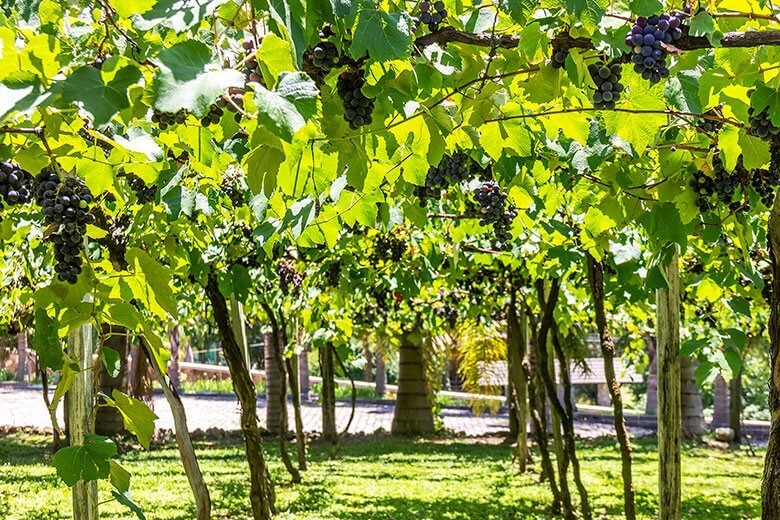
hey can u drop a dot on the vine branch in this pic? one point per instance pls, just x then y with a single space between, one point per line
447 35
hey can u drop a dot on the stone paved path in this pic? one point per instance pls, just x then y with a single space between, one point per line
25 407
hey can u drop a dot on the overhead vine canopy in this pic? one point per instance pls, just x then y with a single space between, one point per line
186 139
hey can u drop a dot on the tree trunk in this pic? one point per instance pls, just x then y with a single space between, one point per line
548 306
238 321
517 340
770 489
21 353
413 414
669 402
561 454
273 386
261 494
538 416
327 370
80 399
108 419
368 369
173 367
303 372
279 337
693 424
651 406
183 441
596 281
300 437
735 406
380 386
720 406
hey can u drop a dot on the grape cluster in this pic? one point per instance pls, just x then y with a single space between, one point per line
99 60
14 184
289 277
166 119
143 192
608 86
213 116
451 170
232 187
493 209
432 19
710 126
236 97
646 38
761 126
388 248
357 107
559 58
765 182
723 185
448 313
325 56
65 204
333 274
251 68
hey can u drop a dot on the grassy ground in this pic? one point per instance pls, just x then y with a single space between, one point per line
386 479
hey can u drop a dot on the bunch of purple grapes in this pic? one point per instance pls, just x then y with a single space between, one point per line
646 40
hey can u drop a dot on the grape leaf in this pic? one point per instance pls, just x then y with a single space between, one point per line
138 418
100 99
383 36
188 78
589 12
46 341
282 111
179 15
86 462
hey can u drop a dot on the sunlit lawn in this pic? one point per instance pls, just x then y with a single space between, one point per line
386 479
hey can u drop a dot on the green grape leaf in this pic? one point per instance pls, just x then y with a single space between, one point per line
112 361
702 24
646 7
179 15
100 99
123 497
383 36
763 97
22 92
138 418
151 282
189 78
589 12
282 111
46 341
87 462
755 152
119 476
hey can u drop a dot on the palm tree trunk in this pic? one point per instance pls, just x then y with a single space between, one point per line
21 353
273 386
413 414
380 386
596 281
770 489
261 494
735 406
669 397
720 405
693 425
108 419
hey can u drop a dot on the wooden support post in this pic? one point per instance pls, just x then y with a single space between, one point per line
669 397
80 409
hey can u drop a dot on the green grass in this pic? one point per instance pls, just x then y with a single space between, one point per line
386 479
